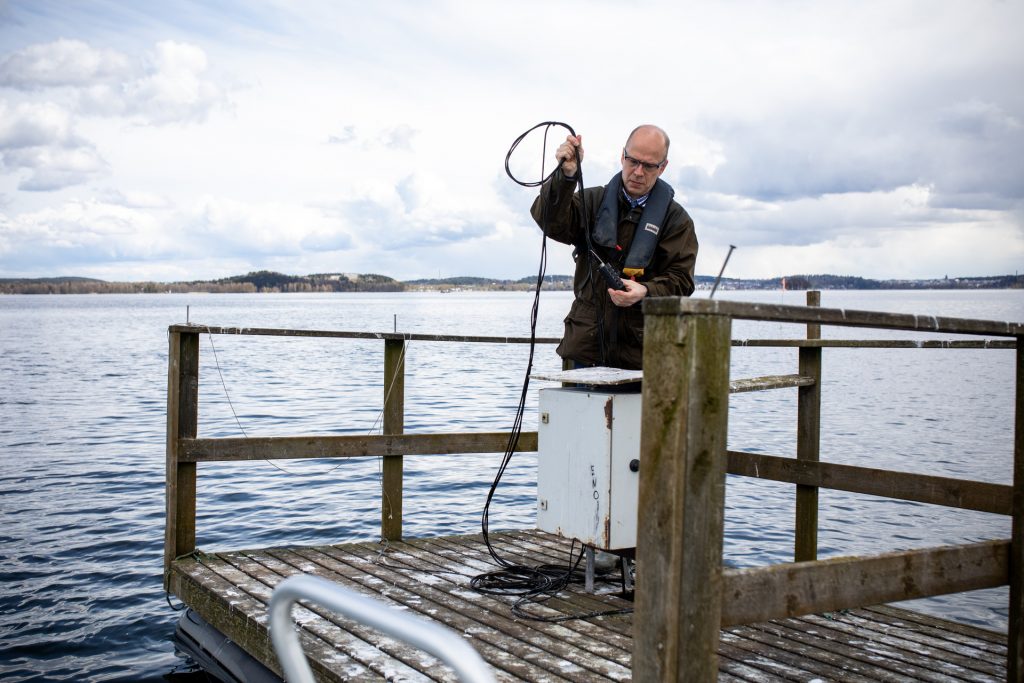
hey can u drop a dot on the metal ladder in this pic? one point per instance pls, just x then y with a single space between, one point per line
434 639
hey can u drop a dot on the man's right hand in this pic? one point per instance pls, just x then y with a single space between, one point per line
567 152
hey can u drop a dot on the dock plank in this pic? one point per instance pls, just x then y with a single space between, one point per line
489 636
384 657
937 650
382 654
430 577
477 560
988 641
238 607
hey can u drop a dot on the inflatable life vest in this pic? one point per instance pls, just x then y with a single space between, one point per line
645 238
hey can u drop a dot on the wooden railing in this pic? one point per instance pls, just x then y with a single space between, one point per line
684 594
185 449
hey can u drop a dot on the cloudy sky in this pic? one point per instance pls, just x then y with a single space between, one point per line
183 140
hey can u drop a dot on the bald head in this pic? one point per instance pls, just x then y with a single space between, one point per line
650 131
644 159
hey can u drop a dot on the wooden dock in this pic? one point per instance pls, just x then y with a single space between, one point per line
774 628
430 577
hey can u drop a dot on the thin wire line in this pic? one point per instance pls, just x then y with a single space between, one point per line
373 427
216 359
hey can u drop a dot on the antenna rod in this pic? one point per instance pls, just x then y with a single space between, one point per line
719 278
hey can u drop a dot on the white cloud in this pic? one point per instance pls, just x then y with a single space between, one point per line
54 168
399 137
168 84
79 233
34 125
84 233
174 87
134 200
71 63
957 250
65 80
812 135
253 230
40 140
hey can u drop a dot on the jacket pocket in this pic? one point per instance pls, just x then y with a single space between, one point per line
579 342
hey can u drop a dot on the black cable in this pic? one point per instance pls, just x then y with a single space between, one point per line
517 425
167 594
547 125
539 583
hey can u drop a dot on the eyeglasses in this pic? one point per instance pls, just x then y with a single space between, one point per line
646 165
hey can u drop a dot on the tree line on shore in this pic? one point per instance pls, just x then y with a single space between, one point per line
264 281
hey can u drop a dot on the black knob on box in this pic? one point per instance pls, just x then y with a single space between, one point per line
634 465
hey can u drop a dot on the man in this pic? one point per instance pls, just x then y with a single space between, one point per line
634 225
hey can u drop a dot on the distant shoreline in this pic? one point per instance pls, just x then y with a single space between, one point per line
271 282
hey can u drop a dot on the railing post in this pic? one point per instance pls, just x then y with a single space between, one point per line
682 493
808 440
182 422
393 423
1015 636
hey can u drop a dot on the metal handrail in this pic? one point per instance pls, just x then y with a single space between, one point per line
432 638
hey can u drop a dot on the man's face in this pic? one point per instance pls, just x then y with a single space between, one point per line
646 147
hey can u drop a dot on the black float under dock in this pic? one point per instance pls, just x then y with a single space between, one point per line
430 578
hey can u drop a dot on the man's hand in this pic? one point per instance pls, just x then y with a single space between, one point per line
566 154
634 292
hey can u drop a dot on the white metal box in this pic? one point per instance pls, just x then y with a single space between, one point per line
588 453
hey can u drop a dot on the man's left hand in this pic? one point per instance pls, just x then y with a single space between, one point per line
634 292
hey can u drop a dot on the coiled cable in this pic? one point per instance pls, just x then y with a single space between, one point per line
537 583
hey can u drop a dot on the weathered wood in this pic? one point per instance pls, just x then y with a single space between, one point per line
682 493
903 648
922 488
360 646
500 638
384 655
879 343
235 603
182 422
340 334
776 644
471 339
172 454
989 642
739 386
393 423
787 590
429 577
612 639
808 440
1015 666
823 643
939 651
355 446
227 608
672 306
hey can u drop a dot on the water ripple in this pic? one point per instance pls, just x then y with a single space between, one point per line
82 430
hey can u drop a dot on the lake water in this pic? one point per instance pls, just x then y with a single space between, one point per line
82 430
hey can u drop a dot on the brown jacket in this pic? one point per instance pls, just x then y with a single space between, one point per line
670 273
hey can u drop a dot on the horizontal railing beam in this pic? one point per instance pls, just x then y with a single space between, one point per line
922 488
829 316
788 590
355 446
739 386
774 343
340 334
879 343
